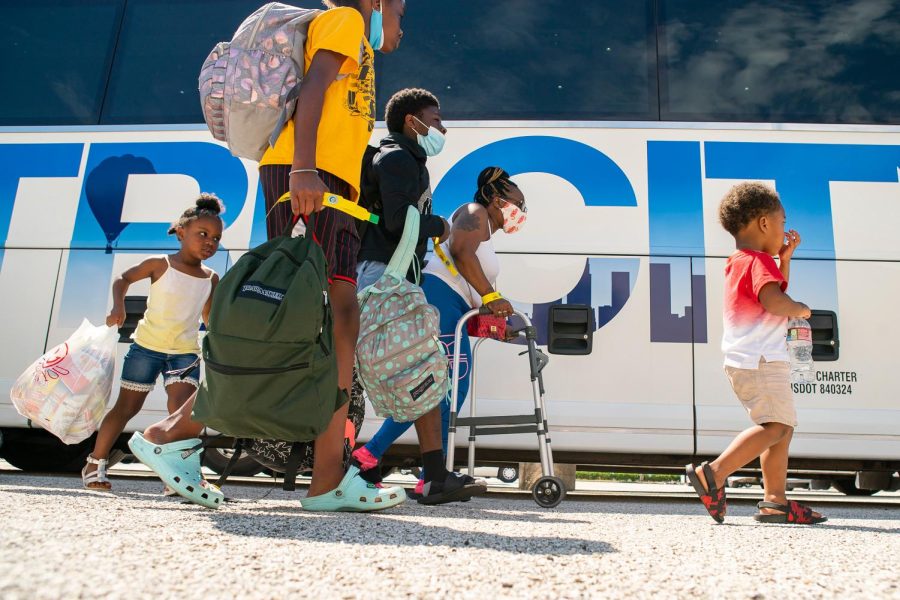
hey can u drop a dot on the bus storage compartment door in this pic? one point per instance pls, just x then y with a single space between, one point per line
826 344
135 306
570 330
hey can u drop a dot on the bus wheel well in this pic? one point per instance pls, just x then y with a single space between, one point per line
39 450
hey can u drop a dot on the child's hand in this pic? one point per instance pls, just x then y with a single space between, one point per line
803 311
792 240
116 317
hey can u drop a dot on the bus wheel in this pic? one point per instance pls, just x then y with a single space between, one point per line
848 488
39 450
508 474
217 459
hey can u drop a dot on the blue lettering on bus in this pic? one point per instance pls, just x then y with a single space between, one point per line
802 173
32 160
599 180
675 209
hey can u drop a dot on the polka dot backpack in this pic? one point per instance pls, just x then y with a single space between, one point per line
401 361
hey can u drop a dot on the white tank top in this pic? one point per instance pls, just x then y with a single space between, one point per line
490 264
171 324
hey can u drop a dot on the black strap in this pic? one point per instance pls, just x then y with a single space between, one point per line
710 479
290 468
238 448
185 454
182 373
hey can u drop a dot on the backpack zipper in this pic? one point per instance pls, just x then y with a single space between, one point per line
232 370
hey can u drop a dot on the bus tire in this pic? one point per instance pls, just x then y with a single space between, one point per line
217 458
41 451
508 473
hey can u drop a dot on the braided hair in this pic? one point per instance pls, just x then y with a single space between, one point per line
492 181
207 205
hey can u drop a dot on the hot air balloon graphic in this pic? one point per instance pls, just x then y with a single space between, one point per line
105 191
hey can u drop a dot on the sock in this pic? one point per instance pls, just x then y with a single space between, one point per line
433 466
371 475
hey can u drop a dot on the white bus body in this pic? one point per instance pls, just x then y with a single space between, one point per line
621 217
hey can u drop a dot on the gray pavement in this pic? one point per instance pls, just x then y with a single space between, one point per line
59 541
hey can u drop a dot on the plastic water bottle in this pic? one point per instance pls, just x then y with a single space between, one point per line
799 341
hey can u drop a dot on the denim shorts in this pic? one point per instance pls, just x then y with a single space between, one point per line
142 367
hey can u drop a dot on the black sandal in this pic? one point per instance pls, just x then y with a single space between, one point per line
713 498
793 513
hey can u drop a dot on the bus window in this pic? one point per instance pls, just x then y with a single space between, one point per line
57 56
528 59
161 47
825 61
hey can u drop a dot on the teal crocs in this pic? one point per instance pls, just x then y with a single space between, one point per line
178 465
355 494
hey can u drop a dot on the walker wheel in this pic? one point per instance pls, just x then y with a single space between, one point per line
549 491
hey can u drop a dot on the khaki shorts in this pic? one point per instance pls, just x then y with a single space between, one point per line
765 392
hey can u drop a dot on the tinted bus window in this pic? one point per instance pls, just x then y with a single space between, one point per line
528 59
161 48
57 57
828 61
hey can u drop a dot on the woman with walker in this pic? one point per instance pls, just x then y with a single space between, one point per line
467 282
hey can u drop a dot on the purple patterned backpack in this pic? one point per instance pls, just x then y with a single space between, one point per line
249 86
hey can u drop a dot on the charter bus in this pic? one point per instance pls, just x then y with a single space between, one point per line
624 122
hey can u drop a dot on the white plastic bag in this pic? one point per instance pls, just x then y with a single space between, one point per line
66 390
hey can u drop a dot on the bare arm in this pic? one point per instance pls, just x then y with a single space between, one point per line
208 305
778 303
307 189
469 229
151 267
792 240
784 265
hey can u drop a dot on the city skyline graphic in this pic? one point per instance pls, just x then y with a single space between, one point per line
606 286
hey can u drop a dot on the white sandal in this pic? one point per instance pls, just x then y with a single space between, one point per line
97 479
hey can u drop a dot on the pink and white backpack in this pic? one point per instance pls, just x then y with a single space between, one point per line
249 86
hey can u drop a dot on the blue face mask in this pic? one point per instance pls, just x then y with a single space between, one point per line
376 30
433 142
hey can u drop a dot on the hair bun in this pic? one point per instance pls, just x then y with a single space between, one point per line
491 180
210 203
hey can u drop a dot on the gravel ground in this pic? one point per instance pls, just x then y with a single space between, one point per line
59 541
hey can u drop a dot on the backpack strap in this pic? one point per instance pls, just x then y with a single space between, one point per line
238 449
406 249
290 468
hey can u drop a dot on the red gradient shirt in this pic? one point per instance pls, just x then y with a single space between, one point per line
750 331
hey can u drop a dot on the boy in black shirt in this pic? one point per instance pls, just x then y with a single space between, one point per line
397 178
393 180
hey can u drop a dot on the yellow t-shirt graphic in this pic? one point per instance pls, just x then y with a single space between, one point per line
348 115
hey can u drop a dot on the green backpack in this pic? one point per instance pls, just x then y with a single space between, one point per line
271 371
401 361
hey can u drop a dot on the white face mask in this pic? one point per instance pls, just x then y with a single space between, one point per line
513 217
433 142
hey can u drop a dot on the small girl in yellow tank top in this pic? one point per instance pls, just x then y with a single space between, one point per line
167 338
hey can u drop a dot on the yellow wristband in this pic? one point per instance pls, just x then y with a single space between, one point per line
488 298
